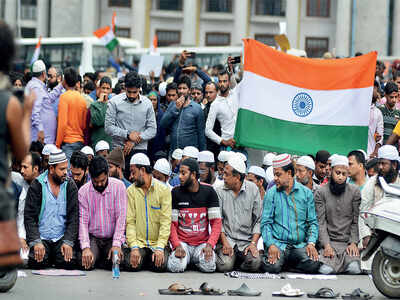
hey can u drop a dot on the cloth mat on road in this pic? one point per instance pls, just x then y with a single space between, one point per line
312 276
59 272
242 275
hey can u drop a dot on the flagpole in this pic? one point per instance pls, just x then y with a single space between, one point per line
19 18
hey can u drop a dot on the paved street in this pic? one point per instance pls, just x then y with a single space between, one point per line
144 285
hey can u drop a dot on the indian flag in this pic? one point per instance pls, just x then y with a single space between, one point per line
300 105
107 37
36 53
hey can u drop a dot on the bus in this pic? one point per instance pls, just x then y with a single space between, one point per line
86 54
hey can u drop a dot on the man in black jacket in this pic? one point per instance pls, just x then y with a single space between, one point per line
51 217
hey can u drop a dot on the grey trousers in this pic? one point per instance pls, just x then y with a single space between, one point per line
247 263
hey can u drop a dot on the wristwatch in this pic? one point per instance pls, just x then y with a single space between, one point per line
311 243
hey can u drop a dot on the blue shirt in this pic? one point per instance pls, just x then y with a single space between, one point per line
289 219
126 182
174 181
52 221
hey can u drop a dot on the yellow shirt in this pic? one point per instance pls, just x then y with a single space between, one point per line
396 130
148 218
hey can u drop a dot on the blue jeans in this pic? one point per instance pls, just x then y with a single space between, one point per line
71 148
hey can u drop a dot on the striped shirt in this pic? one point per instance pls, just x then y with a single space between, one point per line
102 215
390 119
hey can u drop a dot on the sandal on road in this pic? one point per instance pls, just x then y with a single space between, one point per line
357 294
323 293
176 289
206 290
244 291
288 291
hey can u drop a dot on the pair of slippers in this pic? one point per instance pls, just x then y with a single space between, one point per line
180 289
323 293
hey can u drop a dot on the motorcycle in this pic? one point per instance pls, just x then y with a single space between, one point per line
384 220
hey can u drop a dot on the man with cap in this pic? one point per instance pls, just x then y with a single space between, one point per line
305 168
321 164
257 176
148 222
195 208
207 168
102 148
289 223
89 152
188 152
102 217
162 171
47 149
222 159
388 168
357 172
51 217
44 122
241 211
116 165
337 205
267 161
79 164
176 158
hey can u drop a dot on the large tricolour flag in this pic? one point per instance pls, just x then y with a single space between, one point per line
300 105
107 37
36 53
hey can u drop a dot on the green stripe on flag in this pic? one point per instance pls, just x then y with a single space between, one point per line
112 44
262 132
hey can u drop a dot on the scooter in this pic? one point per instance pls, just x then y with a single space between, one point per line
384 220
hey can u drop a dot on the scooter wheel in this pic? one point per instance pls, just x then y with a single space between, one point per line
385 274
7 280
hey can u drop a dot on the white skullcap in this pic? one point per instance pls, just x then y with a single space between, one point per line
140 159
177 154
49 148
306 161
258 171
206 157
237 163
269 174
162 165
388 152
268 158
332 157
162 88
339 160
191 152
223 156
101 145
87 150
38 66
241 156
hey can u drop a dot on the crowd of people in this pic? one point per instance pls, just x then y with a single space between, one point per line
152 171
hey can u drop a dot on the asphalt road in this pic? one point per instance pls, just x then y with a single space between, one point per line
144 285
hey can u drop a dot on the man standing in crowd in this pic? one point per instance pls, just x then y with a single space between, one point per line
185 119
194 207
305 168
337 205
71 116
211 93
257 176
321 166
116 165
79 164
51 217
102 216
44 122
172 92
197 93
375 128
289 224
130 120
148 221
390 114
357 170
241 211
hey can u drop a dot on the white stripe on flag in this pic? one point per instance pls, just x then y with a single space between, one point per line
108 37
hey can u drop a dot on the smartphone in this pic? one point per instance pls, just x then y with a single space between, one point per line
19 93
236 60
190 54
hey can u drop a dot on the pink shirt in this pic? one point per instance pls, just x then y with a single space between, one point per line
102 215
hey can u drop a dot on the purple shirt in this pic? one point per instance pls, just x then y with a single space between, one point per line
43 115
102 215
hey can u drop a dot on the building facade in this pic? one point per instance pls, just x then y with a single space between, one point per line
342 27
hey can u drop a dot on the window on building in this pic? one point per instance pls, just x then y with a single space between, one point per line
120 3
318 8
224 6
2 9
218 39
267 39
28 32
169 4
316 47
123 32
271 7
28 9
168 37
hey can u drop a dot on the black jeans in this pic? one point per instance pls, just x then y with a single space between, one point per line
145 260
100 248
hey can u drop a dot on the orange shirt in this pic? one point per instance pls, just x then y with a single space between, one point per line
71 118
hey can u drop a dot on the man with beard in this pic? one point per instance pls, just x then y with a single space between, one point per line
79 168
305 168
241 210
289 225
148 221
375 127
51 217
52 81
207 168
185 119
102 215
390 114
337 205
116 165
194 207
372 192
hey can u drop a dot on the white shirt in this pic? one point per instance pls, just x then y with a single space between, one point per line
18 179
375 125
223 109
